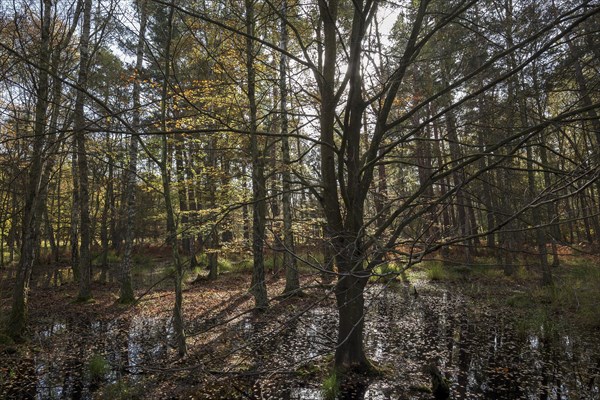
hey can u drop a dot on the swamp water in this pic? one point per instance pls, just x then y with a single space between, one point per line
480 350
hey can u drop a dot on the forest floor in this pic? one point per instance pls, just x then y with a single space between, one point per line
486 331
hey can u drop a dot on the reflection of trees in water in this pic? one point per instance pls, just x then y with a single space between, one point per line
61 369
478 349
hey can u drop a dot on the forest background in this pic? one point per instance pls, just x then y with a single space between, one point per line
306 137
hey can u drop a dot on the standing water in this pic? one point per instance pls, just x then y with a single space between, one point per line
482 352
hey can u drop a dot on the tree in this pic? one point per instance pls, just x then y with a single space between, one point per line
349 158
85 261
292 281
259 193
126 294
475 122
33 200
165 171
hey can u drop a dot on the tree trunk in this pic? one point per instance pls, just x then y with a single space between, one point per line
552 212
33 208
463 221
49 231
105 213
259 208
327 274
182 195
292 280
350 352
3 229
74 228
178 324
85 262
423 157
193 201
446 220
126 294
245 212
539 231
212 238
12 232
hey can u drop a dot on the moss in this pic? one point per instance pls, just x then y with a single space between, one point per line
224 264
317 367
309 370
420 388
126 294
98 367
439 384
127 300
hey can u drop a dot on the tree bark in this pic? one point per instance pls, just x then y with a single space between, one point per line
350 353
212 238
33 208
126 294
292 280
85 262
182 194
258 286
245 212
178 322
74 228
106 212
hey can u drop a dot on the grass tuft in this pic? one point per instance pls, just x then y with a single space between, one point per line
241 266
331 386
98 367
437 272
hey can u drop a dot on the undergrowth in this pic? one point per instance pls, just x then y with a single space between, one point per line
98 367
571 303
331 386
122 390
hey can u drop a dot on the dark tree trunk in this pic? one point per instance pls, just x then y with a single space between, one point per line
33 205
126 294
74 228
259 208
106 214
292 280
49 231
165 162
350 352
85 262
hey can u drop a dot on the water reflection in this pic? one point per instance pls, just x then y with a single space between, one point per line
479 351
61 368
